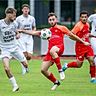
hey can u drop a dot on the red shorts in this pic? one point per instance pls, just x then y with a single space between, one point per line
82 52
48 57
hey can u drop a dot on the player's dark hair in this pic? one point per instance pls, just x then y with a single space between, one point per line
25 5
52 14
83 12
10 10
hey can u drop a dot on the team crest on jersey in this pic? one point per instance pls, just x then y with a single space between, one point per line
56 30
22 20
80 56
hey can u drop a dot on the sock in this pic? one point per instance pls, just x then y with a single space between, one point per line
95 61
72 65
58 64
52 78
23 68
93 71
13 81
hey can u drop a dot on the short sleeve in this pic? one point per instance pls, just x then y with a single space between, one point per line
65 30
90 19
34 22
78 27
16 24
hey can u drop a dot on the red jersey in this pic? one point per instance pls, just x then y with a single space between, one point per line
56 39
58 32
82 31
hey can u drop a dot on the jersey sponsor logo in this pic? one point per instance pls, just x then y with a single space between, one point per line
22 20
56 30
27 27
8 36
80 57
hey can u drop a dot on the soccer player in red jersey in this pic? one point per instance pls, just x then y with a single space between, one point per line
55 48
81 29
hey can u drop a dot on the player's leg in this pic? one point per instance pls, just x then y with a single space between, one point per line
18 54
74 64
90 57
28 55
54 53
92 69
93 44
5 56
21 45
44 70
29 49
9 74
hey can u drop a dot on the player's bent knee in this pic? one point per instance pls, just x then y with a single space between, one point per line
52 52
28 57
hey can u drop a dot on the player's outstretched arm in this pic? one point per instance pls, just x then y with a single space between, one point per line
30 32
78 39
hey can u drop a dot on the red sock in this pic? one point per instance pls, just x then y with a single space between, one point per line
52 78
58 64
93 71
72 65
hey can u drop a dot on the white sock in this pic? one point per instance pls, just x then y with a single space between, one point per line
66 65
13 81
93 78
60 70
27 69
95 60
23 68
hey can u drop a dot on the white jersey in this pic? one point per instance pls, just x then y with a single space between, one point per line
92 20
25 23
7 34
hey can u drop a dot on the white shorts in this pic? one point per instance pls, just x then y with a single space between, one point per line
13 52
93 44
26 46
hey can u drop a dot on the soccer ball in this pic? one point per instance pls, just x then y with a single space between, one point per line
45 34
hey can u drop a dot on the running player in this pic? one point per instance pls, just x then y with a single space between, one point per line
81 29
9 46
26 22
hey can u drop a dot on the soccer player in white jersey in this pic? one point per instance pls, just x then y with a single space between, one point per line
9 46
92 20
26 22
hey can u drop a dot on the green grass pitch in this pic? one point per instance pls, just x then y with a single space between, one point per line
76 83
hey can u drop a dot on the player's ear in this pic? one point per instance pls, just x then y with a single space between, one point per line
56 20
22 10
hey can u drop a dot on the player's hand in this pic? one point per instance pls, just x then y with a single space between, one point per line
17 36
86 43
